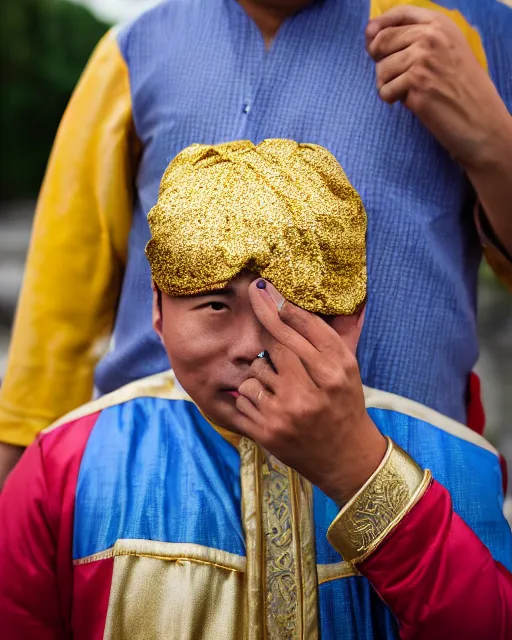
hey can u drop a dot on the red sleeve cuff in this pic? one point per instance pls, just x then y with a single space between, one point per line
438 578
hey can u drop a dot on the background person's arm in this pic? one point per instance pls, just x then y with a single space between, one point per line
433 61
77 255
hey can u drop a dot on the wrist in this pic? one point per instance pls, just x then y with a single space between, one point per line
363 452
492 150
381 504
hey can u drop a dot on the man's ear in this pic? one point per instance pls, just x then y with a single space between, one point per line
157 311
349 327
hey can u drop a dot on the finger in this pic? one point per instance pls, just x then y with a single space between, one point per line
396 90
349 329
394 66
399 16
392 40
246 426
253 390
317 330
276 296
268 314
247 409
262 371
292 371
293 331
297 329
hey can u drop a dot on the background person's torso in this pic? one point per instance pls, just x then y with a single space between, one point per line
199 73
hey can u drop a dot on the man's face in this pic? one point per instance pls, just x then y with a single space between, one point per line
212 340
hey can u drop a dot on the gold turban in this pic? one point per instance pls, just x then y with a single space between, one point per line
281 209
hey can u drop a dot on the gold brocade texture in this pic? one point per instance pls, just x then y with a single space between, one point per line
282 588
379 506
281 209
281 562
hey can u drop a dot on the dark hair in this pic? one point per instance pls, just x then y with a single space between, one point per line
159 297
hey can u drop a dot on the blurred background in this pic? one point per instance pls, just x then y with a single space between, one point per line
44 45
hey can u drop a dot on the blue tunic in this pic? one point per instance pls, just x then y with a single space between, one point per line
155 472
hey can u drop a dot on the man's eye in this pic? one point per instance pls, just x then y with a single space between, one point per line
217 306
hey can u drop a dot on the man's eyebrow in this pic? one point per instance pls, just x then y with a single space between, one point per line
225 291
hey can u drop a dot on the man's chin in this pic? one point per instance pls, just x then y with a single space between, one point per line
224 415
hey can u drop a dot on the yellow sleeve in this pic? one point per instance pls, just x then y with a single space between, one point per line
77 253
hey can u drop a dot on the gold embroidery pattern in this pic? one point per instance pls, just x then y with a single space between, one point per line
282 588
377 509
251 517
302 512
281 580
379 506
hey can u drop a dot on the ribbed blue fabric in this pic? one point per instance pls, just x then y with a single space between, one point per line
199 73
154 469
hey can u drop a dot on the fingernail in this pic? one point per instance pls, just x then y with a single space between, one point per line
261 284
276 296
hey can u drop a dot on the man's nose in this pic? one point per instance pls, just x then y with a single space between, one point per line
249 342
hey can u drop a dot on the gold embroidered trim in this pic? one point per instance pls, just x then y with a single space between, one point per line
287 518
379 506
277 513
302 502
339 570
101 555
251 520
282 601
180 551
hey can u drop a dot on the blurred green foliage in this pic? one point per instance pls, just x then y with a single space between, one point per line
44 46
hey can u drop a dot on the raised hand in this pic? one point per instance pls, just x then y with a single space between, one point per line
310 412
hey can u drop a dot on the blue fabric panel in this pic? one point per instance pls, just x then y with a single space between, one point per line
350 609
471 474
155 469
